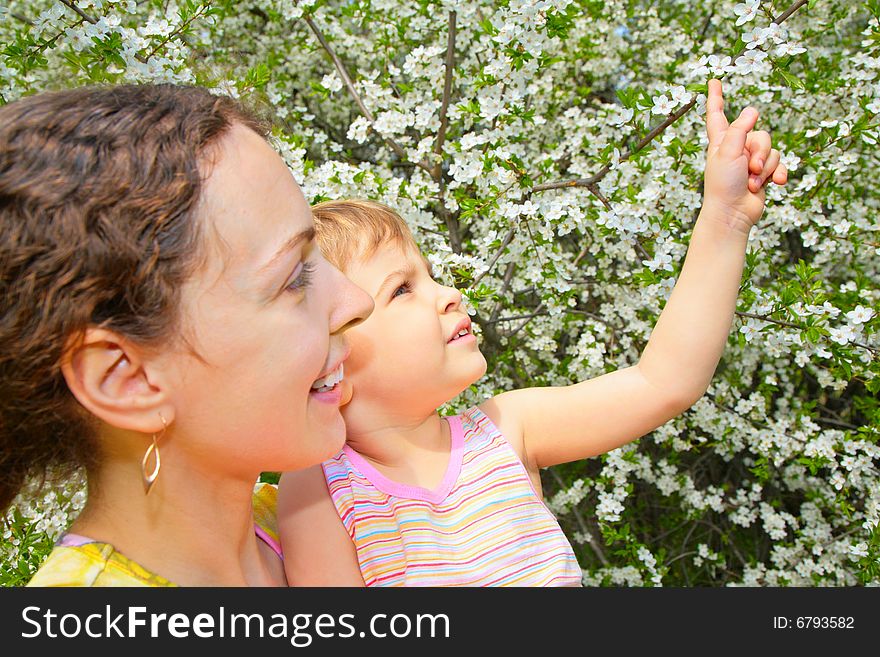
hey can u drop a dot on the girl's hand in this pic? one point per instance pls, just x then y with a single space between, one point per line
739 163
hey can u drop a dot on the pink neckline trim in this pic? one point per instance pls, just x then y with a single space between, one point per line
389 487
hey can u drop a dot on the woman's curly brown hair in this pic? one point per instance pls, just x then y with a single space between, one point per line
99 190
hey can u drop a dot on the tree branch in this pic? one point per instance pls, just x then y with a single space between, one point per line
346 80
754 423
140 58
175 33
582 523
788 12
447 93
507 240
647 139
80 12
780 322
538 312
505 285
836 423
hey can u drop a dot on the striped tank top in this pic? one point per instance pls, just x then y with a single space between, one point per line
483 526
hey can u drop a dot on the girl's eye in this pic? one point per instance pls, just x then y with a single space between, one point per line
405 288
303 279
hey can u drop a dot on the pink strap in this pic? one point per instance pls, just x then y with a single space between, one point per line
268 540
73 540
76 540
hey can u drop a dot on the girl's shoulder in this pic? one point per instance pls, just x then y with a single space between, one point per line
497 415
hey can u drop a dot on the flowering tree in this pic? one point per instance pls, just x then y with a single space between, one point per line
549 155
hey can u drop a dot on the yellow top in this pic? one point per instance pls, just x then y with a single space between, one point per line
99 564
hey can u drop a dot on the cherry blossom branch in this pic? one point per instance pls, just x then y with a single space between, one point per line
505 285
509 237
452 222
79 11
836 423
346 80
177 32
647 139
788 12
799 328
591 183
538 311
725 536
447 93
582 523
504 242
512 318
769 320
764 427
141 58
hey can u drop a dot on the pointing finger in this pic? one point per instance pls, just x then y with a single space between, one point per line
716 122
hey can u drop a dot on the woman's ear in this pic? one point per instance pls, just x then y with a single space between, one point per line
111 377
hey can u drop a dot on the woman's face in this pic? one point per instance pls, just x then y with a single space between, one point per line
265 315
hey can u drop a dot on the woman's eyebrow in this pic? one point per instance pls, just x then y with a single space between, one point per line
305 236
405 272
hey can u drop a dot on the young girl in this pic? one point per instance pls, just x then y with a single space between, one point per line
416 499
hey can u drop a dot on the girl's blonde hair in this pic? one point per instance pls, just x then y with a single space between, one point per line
354 229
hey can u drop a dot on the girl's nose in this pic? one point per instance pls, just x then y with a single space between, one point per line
450 299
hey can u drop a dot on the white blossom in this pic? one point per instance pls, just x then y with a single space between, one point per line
750 61
858 550
662 105
843 335
680 96
755 37
746 11
331 82
789 49
860 315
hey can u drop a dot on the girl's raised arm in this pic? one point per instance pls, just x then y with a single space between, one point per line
564 424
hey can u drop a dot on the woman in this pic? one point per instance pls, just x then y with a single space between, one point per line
169 323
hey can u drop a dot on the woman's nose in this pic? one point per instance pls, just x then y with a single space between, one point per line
352 304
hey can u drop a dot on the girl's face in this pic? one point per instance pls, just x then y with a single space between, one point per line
407 358
265 315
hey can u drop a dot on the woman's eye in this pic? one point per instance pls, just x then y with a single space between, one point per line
303 279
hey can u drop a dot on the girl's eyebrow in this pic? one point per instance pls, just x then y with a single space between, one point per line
405 272
429 266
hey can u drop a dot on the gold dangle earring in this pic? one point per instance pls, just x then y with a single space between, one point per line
150 479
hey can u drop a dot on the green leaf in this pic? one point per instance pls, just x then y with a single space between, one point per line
791 80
